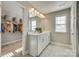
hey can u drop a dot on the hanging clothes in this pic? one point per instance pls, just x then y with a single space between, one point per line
20 27
15 28
8 26
2 27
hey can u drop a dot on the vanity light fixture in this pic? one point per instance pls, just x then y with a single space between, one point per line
36 13
42 16
32 9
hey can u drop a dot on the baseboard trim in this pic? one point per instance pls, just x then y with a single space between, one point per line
10 42
61 44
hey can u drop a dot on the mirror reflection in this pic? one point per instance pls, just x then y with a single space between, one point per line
35 21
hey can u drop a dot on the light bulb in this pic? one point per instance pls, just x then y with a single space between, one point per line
42 16
32 9
37 13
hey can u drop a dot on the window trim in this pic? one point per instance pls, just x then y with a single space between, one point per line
61 24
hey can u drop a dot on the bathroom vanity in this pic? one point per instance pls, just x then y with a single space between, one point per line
38 42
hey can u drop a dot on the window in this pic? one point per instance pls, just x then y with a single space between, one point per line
33 25
60 24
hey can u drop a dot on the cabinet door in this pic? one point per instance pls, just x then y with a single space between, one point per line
46 40
33 45
43 41
40 44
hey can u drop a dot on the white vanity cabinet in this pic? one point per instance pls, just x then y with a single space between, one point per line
38 42
33 45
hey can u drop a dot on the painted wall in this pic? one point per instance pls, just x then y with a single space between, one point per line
56 36
12 9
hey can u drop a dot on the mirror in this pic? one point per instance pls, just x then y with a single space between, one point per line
35 24
35 21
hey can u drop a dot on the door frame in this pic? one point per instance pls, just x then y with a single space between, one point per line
73 29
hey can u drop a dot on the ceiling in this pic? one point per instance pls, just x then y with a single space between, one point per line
46 7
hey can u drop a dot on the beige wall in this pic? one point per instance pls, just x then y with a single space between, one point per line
46 24
59 37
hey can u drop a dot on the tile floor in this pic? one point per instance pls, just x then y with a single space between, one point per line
50 51
11 47
56 51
